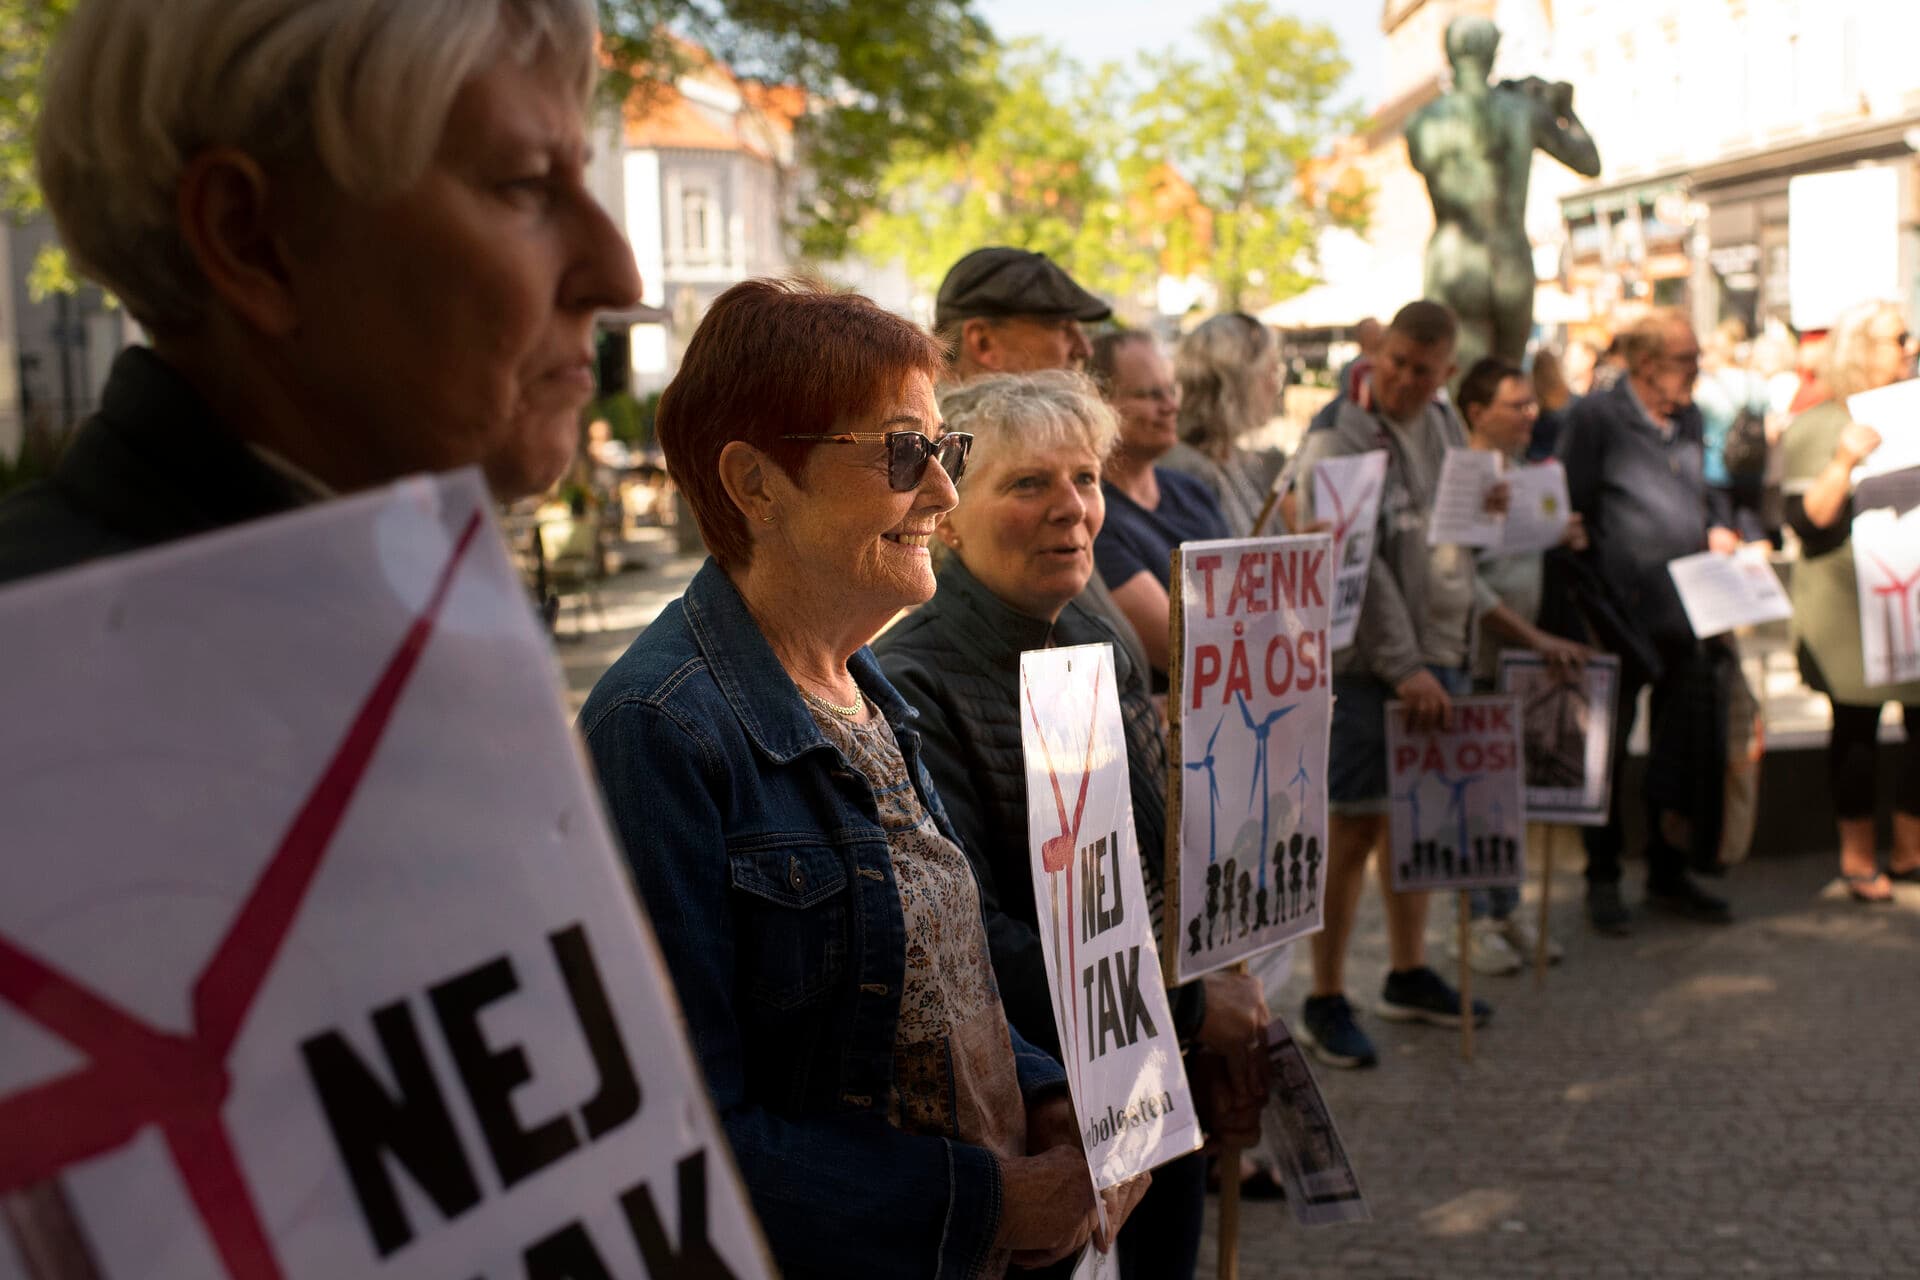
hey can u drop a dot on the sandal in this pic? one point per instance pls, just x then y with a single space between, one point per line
1860 888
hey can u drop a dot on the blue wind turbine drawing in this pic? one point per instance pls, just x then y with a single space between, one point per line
1300 778
1457 805
1260 732
1213 788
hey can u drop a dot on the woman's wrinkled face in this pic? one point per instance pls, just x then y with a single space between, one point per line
1026 526
1147 400
453 324
845 527
1264 395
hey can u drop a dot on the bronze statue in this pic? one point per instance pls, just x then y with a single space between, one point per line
1474 146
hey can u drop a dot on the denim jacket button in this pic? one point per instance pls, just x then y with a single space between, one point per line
796 878
874 988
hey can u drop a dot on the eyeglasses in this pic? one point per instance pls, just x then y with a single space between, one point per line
908 452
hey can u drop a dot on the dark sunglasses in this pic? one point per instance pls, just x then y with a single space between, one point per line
908 452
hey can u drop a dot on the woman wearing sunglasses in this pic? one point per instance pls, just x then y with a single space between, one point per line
821 922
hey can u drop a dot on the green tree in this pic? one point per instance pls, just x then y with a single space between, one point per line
1035 176
1239 122
879 74
26 30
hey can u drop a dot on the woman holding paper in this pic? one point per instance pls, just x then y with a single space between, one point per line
1870 347
820 920
1018 553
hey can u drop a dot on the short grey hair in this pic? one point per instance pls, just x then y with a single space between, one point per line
1012 414
1214 367
137 88
1845 367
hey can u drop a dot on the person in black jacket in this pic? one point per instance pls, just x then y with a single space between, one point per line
1634 459
1019 549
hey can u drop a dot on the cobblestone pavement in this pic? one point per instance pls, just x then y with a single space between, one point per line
1691 1101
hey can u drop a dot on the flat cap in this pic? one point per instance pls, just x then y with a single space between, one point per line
1003 281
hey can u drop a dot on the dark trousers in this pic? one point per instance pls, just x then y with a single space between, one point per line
1686 764
1853 762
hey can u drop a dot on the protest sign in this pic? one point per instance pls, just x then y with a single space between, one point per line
1301 1141
1723 592
1346 494
1539 511
1116 1030
1894 412
1250 707
1458 812
1566 736
1886 561
1460 516
315 956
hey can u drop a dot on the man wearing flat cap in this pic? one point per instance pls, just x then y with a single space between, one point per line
1005 310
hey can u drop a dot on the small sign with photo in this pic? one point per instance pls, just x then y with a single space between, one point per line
1299 1138
1566 736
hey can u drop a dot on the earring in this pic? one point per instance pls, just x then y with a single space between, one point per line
766 519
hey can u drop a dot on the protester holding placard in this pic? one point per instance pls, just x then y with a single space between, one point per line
1019 551
1634 472
1497 401
1869 347
1413 642
337 287
821 922
1150 510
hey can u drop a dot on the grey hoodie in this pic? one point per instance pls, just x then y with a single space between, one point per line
1421 601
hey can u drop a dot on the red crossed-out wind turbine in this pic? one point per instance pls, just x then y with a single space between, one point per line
1056 853
1901 589
141 1075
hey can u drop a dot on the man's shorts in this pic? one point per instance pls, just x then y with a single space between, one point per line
1357 760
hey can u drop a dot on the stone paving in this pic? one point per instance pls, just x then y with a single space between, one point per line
1688 1102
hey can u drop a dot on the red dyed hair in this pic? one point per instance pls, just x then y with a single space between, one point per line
774 358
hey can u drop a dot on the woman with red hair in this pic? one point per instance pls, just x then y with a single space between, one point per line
822 924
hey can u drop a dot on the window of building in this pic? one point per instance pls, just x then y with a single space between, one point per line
696 223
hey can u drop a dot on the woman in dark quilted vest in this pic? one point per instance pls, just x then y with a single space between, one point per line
1018 550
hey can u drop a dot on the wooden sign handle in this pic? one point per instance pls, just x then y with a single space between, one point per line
1546 898
1466 977
1229 1268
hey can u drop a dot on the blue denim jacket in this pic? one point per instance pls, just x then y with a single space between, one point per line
759 854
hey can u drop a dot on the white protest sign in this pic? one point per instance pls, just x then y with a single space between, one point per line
1458 813
1298 1134
1346 494
1539 512
1250 706
1566 736
1116 1029
1460 516
1722 592
316 959
1886 561
1894 412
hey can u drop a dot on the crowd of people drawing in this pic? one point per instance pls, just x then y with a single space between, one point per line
822 803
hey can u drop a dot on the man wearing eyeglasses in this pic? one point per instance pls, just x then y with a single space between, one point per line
1005 310
1635 474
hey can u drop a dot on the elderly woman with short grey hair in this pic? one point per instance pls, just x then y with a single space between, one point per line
1018 551
1871 346
359 235
1229 374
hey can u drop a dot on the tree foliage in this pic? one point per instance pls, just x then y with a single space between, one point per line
1180 165
1239 122
880 74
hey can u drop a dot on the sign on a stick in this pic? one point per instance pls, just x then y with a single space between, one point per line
1458 815
1250 705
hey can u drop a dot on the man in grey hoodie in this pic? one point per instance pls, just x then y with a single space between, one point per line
1414 642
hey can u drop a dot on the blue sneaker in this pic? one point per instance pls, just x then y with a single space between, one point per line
1327 1027
1421 995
